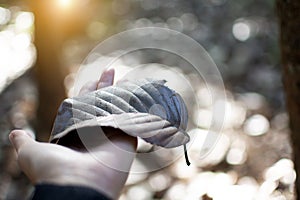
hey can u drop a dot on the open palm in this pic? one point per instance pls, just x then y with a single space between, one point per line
52 163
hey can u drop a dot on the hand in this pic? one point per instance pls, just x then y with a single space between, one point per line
52 163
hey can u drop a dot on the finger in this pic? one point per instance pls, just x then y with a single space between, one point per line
19 137
88 87
107 79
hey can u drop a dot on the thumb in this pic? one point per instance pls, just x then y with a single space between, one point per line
19 138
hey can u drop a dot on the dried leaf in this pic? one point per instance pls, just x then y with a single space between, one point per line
144 108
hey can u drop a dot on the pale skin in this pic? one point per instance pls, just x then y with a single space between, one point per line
56 164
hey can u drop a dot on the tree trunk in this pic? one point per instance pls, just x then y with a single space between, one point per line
48 69
289 20
53 26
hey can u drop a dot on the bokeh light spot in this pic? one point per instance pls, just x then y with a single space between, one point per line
21 41
256 125
241 31
24 21
4 16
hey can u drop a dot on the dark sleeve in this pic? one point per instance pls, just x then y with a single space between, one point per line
57 192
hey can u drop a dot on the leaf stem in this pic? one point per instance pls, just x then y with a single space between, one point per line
186 156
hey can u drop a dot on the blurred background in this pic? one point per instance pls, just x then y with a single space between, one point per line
42 44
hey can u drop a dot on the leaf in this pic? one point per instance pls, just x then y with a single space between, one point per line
144 108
